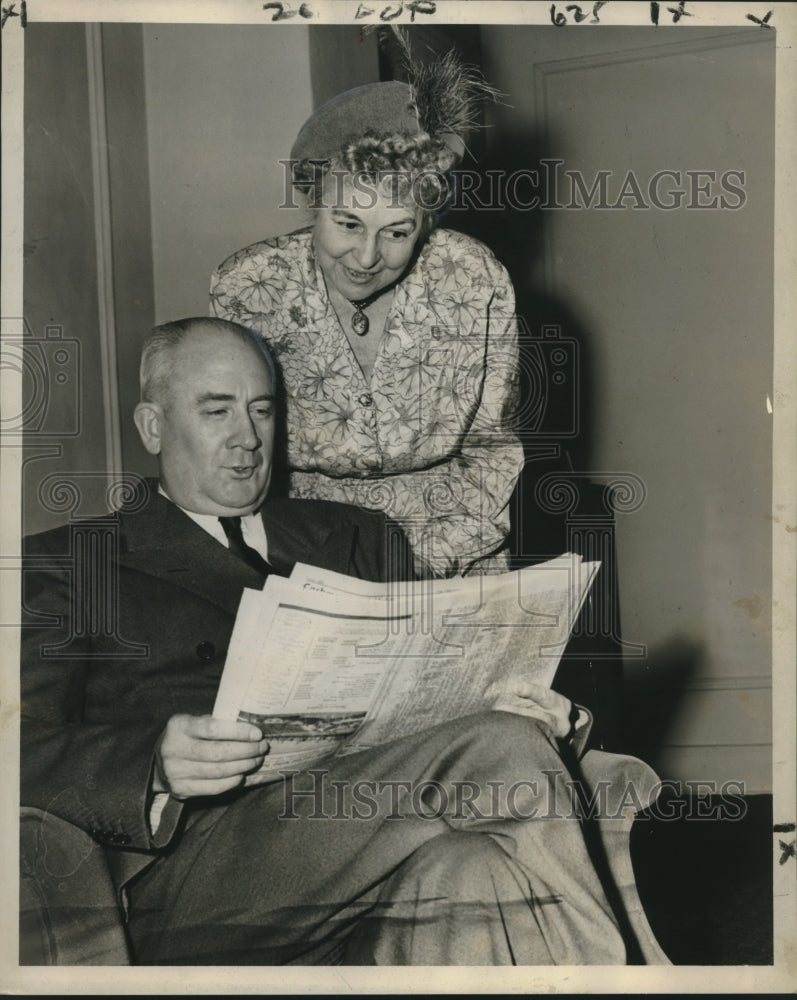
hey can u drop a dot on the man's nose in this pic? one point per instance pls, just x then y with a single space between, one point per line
245 434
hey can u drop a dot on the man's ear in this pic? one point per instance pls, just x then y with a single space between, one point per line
148 417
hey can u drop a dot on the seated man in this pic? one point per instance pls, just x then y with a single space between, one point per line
118 739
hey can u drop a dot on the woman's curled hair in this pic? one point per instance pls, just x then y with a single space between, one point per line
415 167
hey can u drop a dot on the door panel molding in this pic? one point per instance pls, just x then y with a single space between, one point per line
104 248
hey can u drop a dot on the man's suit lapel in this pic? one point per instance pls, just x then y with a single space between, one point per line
309 532
161 541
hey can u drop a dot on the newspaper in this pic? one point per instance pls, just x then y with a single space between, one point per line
328 664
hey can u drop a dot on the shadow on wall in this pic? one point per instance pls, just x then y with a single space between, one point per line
557 409
654 692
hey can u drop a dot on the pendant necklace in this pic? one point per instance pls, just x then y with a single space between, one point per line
359 321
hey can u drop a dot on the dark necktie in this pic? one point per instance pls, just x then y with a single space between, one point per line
235 537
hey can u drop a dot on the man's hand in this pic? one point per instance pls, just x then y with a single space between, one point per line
537 702
200 755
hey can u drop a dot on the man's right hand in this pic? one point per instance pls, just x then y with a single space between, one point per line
200 755
537 701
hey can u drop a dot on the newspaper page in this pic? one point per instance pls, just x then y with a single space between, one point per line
324 663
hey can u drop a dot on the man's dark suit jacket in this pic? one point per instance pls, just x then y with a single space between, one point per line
127 622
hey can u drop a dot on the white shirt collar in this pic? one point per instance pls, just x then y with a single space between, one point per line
252 527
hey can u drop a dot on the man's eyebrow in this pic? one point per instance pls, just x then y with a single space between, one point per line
227 397
214 397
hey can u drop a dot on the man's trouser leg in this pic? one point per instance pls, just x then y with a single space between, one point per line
303 871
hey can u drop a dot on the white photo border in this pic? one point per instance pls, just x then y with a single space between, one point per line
782 976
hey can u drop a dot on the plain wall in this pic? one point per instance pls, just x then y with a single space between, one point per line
223 106
341 57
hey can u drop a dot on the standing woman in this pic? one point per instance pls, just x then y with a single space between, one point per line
397 341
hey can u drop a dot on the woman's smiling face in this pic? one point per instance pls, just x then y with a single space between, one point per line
364 236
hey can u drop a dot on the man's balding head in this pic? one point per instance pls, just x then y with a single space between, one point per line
157 354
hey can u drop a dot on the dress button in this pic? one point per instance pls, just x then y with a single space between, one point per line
206 651
366 399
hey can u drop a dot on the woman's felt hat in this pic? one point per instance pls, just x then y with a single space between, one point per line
381 108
